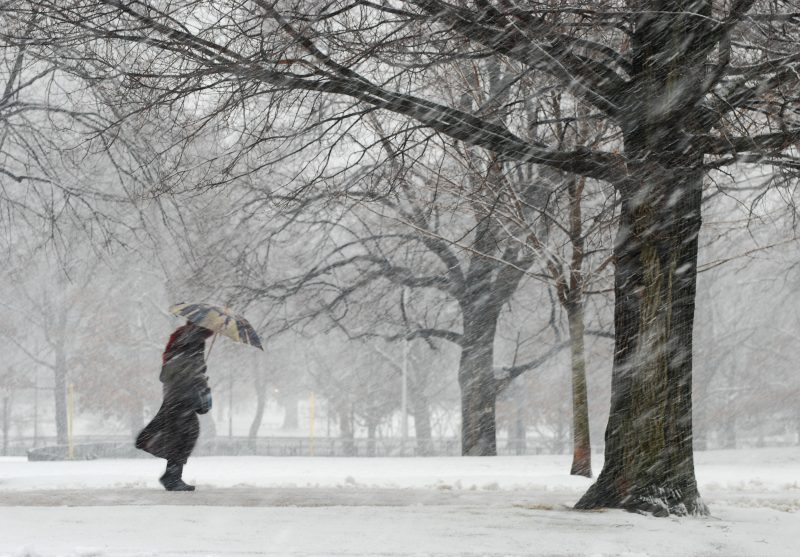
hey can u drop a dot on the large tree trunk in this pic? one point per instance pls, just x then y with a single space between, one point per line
581 442
478 384
649 463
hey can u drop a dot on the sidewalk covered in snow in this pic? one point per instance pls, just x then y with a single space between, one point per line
398 507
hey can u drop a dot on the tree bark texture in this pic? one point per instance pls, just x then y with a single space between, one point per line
649 463
478 384
581 439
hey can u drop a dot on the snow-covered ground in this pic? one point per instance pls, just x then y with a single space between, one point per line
384 507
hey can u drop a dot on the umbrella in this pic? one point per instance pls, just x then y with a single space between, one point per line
221 320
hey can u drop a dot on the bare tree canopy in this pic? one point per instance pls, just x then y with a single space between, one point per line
685 87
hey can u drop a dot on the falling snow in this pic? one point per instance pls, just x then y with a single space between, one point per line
315 256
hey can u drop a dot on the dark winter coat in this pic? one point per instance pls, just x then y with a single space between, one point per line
174 430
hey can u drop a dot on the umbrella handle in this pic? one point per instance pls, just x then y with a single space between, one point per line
214 338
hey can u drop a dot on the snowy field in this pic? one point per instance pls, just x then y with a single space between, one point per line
249 506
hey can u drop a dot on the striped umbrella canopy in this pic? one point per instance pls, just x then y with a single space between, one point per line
221 320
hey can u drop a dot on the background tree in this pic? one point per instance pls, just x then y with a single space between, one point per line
13 382
55 310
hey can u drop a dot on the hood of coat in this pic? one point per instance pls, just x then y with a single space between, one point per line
186 340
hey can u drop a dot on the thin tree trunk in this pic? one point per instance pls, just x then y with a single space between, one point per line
422 424
346 431
371 428
260 387
518 430
519 427
60 371
581 442
649 463
60 394
255 425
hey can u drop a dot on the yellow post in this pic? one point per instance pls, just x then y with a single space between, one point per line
311 425
70 407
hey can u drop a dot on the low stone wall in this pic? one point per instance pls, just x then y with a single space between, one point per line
262 446
119 447
85 451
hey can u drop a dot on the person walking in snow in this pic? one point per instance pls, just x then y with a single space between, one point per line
173 432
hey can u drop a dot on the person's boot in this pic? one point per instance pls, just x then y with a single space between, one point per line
171 480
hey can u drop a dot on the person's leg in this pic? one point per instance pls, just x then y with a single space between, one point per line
172 480
183 428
